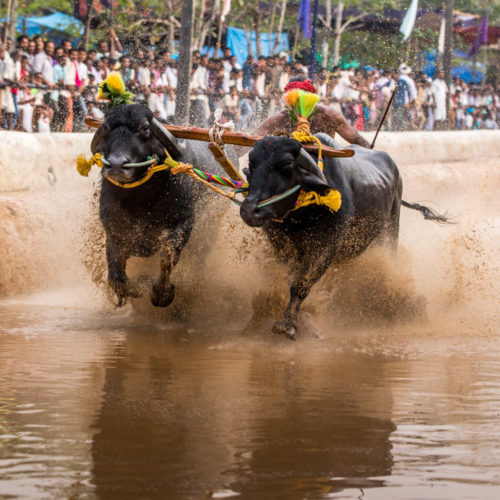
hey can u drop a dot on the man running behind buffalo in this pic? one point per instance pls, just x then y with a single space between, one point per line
325 119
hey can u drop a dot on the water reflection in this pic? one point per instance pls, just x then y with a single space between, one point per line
186 420
99 406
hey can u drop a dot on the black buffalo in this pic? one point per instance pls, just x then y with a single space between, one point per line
314 237
156 216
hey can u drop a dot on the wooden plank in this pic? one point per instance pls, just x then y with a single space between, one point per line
224 161
235 138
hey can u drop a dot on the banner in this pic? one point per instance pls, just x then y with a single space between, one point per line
481 38
304 17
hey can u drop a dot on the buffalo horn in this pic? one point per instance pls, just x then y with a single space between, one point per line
171 143
305 161
97 138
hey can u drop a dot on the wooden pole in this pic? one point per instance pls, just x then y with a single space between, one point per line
372 145
6 25
448 49
224 161
235 138
186 41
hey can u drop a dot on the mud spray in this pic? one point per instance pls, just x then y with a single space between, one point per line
52 248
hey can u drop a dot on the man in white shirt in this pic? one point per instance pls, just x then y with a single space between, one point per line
171 74
198 99
440 91
7 74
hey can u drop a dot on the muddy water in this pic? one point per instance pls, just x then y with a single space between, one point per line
387 402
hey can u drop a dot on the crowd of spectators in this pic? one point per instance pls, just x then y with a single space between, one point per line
45 88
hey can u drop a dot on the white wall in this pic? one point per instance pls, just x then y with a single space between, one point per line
25 159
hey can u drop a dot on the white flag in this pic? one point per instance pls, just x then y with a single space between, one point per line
442 29
226 7
409 20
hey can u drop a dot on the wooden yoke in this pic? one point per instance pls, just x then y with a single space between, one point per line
224 161
235 138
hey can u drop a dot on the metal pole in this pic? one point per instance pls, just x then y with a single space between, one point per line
313 41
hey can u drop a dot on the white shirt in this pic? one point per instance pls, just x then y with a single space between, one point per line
83 73
171 76
39 60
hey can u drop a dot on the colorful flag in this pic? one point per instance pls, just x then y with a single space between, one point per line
409 20
304 17
481 38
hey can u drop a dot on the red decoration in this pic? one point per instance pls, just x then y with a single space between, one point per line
305 85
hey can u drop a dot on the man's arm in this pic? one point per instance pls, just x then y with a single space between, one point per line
329 121
279 121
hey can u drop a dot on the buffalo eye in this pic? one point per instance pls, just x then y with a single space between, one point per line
145 130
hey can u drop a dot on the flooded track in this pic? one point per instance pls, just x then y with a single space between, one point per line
132 403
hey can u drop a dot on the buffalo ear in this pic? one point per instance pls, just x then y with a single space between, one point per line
310 175
246 171
99 134
312 182
175 147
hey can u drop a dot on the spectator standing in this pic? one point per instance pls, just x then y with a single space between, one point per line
440 91
7 75
198 111
405 95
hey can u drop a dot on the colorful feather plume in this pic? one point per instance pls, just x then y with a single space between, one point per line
301 103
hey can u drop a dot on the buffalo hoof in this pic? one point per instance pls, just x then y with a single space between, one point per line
124 290
162 297
285 328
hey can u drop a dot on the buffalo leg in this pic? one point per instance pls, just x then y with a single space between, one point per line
163 291
117 277
307 276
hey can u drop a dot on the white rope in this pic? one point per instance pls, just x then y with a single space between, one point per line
218 128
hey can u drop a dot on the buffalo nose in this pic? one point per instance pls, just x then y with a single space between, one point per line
247 210
117 161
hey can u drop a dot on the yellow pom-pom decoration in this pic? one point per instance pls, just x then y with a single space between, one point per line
83 165
332 199
113 90
115 83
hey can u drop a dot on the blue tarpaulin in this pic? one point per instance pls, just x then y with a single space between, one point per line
465 71
237 42
55 22
58 21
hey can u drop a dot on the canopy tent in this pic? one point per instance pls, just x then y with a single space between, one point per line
237 41
469 34
57 22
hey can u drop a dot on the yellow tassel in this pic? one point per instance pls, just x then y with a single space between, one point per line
83 165
332 199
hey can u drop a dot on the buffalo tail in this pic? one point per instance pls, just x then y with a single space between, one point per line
428 213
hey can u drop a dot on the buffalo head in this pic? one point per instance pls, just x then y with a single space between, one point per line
129 134
276 165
